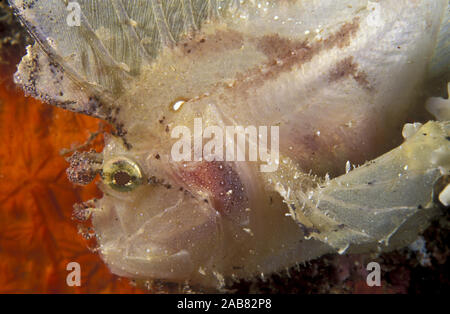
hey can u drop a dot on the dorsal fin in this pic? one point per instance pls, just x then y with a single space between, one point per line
112 39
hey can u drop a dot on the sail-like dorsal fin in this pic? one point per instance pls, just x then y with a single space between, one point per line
161 23
128 26
101 44
116 35
189 15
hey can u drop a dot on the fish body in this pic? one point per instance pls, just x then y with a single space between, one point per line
335 81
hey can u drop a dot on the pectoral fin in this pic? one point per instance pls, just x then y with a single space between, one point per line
384 203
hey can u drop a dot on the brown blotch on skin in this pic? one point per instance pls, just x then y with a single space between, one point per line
278 48
343 36
284 53
343 69
361 78
348 68
311 142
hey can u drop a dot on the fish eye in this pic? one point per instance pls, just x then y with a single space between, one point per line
122 174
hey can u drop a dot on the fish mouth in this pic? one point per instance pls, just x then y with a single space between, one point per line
169 237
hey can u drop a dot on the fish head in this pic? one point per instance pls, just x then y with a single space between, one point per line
200 221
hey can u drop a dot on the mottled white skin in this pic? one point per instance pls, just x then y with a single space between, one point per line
356 80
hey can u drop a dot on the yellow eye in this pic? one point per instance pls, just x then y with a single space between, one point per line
122 174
